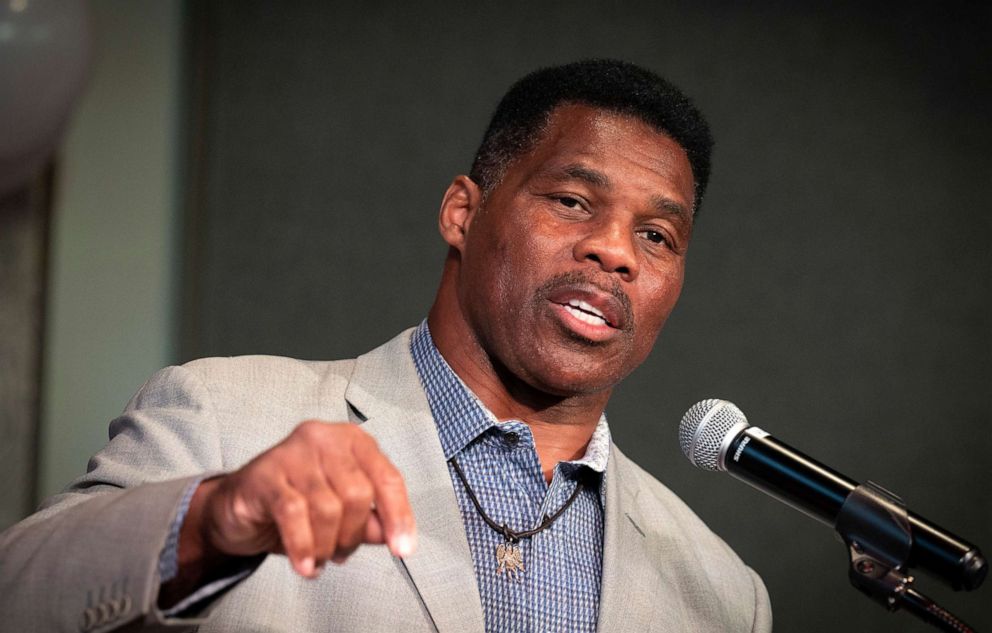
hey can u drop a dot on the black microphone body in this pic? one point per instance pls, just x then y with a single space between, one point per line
715 435
807 485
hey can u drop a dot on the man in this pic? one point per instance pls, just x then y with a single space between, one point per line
474 446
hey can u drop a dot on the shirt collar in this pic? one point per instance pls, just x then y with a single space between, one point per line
460 415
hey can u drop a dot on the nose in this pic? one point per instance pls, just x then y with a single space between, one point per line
610 245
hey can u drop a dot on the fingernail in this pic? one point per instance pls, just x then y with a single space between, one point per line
404 544
307 566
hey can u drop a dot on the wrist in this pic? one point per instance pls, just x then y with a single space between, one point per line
196 555
196 545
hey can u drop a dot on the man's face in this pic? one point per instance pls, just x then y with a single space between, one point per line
575 260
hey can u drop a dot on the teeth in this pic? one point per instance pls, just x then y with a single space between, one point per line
582 305
585 317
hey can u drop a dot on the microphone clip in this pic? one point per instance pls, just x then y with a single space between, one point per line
874 523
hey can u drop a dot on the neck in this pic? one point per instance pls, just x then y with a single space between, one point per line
561 425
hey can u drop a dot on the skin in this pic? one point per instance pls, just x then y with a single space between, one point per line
599 211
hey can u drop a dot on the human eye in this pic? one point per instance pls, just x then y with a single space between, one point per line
567 201
654 236
569 206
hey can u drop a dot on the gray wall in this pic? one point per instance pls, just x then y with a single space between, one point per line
24 216
838 284
113 260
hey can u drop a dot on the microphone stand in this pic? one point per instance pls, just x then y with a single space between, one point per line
874 523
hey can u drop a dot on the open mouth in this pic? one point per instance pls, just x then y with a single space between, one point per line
587 310
586 313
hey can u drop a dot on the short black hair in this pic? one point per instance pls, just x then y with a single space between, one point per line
617 86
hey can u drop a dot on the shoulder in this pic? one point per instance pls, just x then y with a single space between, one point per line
224 411
250 376
242 378
244 394
260 372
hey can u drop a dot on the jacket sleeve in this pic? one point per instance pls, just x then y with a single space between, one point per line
88 560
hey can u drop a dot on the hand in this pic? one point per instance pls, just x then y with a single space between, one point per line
316 496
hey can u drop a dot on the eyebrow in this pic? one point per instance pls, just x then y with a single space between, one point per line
580 172
597 178
667 205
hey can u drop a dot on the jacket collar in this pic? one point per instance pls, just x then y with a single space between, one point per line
386 396
643 571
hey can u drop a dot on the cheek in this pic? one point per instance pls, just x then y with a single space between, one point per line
497 264
522 257
661 297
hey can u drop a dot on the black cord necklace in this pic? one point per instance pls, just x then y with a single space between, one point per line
509 558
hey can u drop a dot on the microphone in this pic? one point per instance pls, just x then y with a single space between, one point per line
715 435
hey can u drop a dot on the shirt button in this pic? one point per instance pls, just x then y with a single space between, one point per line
512 438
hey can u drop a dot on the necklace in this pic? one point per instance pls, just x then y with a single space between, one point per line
509 558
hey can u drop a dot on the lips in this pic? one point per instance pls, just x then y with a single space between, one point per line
590 305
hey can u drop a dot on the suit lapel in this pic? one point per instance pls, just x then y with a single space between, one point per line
633 596
385 391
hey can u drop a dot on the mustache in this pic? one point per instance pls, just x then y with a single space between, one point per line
580 278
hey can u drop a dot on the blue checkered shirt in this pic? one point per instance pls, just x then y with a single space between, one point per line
560 586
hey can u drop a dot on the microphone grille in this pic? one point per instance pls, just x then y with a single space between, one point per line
704 431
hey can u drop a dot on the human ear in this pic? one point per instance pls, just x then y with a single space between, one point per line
458 207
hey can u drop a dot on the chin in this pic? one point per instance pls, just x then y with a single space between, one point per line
562 378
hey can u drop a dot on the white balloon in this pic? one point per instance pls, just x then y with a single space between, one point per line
44 53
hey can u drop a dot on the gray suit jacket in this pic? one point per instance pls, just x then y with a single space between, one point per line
90 556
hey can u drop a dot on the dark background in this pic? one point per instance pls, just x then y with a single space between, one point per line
838 287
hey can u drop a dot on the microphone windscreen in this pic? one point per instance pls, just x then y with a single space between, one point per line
706 430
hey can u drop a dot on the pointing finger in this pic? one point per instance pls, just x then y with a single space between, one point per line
355 493
290 511
392 505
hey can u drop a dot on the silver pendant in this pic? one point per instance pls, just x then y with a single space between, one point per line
510 559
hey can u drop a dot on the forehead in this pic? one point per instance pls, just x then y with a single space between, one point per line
617 145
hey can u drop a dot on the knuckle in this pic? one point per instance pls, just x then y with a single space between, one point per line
348 431
309 429
289 507
370 442
329 508
357 494
362 439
